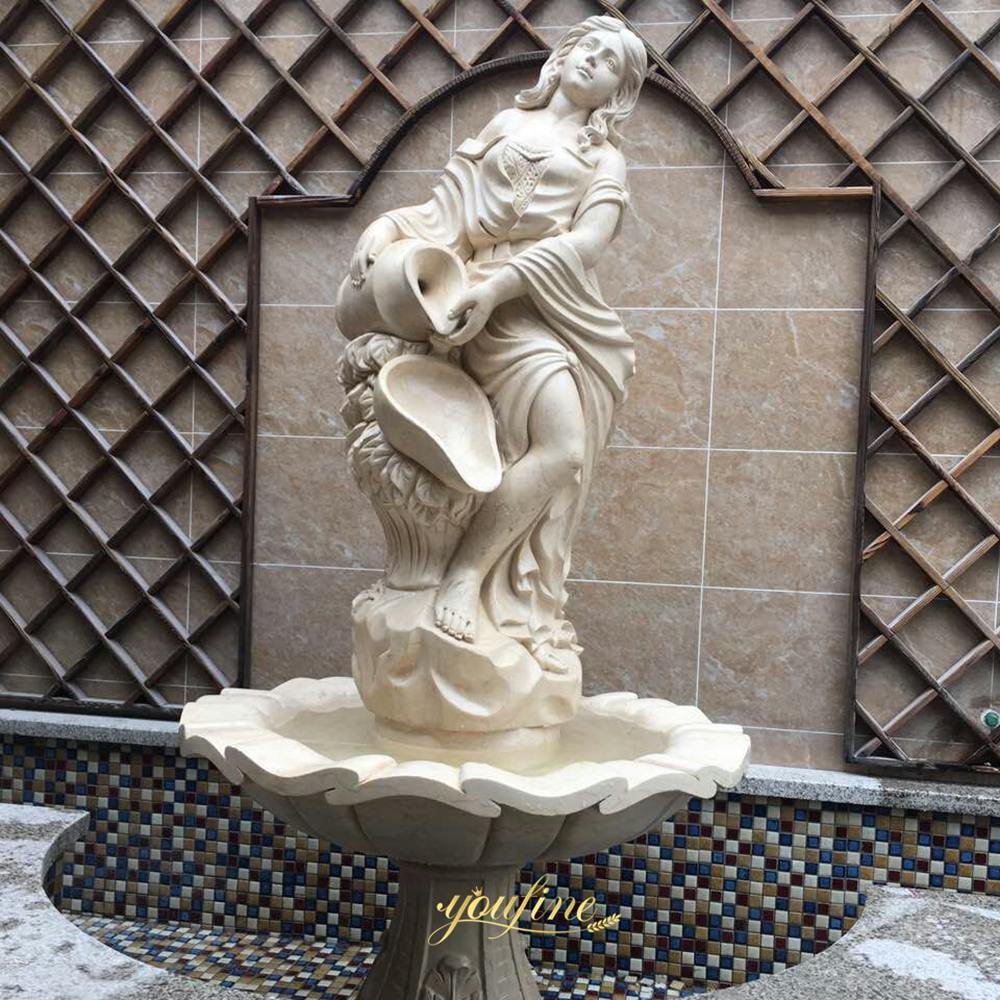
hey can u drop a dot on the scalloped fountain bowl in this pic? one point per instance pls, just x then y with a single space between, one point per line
452 819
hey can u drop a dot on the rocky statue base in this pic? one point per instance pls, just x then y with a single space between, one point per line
316 757
412 673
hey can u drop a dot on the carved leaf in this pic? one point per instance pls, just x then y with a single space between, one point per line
365 355
453 979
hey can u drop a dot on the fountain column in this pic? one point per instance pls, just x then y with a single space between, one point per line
477 961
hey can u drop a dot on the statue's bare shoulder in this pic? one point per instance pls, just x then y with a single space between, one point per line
501 123
611 162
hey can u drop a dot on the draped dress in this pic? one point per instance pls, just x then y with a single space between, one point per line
502 202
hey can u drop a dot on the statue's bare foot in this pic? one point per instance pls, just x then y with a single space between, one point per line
456 607
546 657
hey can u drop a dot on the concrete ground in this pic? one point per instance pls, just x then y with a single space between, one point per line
909 944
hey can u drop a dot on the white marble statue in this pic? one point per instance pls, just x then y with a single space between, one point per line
483 373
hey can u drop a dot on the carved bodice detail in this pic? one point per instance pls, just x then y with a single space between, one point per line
523 166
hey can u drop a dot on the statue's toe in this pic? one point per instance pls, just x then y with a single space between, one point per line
550 663
448 624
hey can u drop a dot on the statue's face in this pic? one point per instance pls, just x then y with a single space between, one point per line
594 69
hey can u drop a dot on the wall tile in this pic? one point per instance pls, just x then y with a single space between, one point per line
887 684
23 673
968 107
962 215
662 132
791 748
952 424
474 106
940 635
780 521
815 254
774 660
667 400
302 622
787 380
636 638
812 57
705 62
862 108
309 510
299 392
380 16
644 518
673 216
908 266
309 252
758 111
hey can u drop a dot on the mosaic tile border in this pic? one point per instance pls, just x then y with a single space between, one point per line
276 965
728 890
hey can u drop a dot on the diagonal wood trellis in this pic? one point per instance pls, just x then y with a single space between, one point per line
176 571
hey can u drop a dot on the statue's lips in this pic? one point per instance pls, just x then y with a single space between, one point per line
584 72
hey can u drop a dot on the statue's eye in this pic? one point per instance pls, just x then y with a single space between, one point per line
588 43
612 65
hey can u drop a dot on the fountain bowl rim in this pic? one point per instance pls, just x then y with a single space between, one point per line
237 731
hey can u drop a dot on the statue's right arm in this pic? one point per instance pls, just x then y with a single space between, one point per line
384 230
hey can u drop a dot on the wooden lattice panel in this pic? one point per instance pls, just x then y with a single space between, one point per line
918 92
133 132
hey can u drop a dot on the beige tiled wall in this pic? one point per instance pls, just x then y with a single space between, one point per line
713 562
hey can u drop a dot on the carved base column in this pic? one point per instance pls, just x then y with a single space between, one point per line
472 964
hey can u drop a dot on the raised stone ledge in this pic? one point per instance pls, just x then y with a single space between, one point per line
89 728
761 779
45 956
868 790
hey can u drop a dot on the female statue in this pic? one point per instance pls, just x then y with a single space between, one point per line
529 206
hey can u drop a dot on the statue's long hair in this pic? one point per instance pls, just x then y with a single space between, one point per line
602 126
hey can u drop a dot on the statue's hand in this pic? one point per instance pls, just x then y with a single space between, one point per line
376 237
477 305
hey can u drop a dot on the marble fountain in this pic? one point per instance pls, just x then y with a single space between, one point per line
482 373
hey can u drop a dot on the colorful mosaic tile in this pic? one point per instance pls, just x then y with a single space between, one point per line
275 965
730 889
